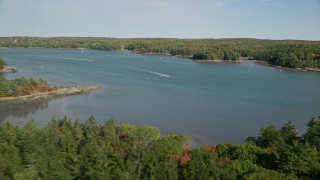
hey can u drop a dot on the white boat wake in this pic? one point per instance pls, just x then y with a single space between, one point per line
157 73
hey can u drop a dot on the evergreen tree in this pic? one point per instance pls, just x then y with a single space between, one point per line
3 63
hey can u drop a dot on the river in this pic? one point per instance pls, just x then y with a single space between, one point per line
213 103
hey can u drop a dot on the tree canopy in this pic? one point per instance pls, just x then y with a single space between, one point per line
67 149
22 86
3 63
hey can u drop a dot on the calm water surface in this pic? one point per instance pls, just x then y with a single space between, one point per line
214 103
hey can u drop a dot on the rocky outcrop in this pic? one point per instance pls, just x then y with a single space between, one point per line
8 70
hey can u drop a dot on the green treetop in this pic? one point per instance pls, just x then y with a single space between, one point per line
2 63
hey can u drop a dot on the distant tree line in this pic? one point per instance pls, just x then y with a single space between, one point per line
285 53
66 149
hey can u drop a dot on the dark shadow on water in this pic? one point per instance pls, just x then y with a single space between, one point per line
21 109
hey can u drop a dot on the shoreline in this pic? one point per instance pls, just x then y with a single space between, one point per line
297 69
265 63
220 61
8 70
62 91
153 54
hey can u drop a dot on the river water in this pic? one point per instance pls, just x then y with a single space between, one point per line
213 103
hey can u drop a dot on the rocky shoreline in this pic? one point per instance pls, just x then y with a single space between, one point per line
220 61
297 69
61 91
264 63
8 70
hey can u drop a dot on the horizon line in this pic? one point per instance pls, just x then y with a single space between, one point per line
202 38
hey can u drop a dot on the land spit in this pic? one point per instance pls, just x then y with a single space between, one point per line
60 92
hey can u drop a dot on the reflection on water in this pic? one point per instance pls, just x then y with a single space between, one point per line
20 109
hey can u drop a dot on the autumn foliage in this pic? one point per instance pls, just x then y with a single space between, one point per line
23 86
184 158
210 148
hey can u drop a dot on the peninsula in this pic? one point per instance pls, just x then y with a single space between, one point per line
57 92
28 89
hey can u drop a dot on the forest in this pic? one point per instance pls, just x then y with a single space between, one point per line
284 53
73 149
